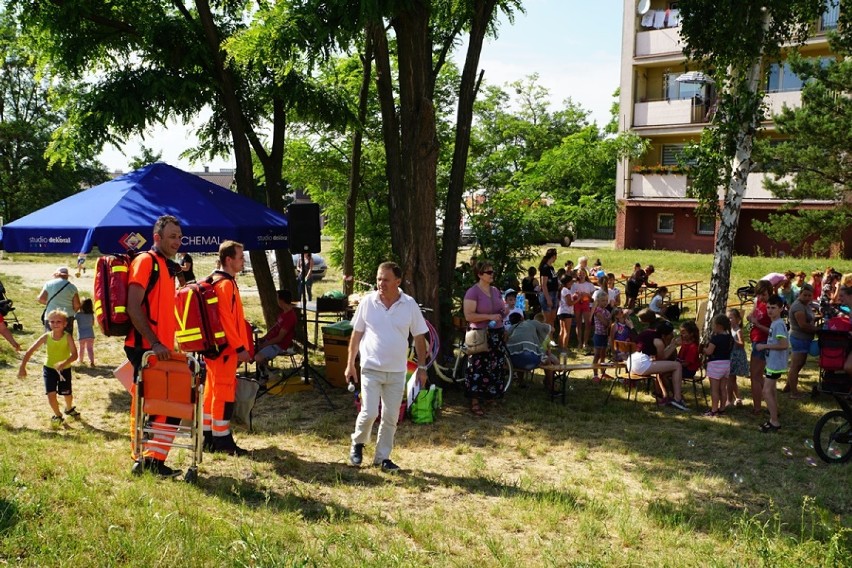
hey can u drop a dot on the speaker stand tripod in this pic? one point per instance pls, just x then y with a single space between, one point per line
305 369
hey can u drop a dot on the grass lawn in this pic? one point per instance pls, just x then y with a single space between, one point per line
533 483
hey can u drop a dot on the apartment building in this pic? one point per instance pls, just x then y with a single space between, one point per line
668 101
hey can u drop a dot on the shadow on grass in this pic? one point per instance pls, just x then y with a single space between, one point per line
662 444
9 516
119 401
287 465
68 427
245 492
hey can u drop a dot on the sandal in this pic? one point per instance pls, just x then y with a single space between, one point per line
768 426
477 410
711 414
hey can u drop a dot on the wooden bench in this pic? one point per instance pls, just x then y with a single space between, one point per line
561 373
689 299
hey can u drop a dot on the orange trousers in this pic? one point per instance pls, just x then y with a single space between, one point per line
219 394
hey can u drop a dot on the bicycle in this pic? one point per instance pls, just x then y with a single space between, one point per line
456 373
833 433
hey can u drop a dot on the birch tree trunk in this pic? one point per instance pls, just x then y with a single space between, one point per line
723 254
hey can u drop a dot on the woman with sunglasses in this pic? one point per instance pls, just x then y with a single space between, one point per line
484 309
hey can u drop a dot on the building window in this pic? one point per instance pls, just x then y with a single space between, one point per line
829 18
781 78
665 223
671 153
706 225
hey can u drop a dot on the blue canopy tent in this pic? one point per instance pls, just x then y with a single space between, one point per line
118 216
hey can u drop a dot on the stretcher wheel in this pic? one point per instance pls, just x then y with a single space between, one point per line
191 475
18 326
138 468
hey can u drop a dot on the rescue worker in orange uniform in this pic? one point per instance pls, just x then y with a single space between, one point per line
221 388
151 307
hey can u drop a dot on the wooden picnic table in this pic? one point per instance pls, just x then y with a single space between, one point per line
562 371
686 289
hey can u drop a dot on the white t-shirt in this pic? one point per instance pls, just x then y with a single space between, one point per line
384 345
656 304
614 296
564 307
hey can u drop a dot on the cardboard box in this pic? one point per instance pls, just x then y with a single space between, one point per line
336 354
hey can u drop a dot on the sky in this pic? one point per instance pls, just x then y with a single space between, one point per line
574 47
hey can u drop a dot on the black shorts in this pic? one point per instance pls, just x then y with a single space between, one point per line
773 376
631 290
561 317
55 381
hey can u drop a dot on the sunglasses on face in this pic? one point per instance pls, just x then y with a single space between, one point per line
487 272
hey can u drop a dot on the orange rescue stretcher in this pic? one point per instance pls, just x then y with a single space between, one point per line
174 387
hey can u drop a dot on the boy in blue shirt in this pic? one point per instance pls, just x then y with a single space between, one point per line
776 347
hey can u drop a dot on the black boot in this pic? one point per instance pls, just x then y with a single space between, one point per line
227 445
155 466
207 444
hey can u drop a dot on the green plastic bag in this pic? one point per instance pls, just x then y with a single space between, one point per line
423 408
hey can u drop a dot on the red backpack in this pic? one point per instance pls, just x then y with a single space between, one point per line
199 329
112 278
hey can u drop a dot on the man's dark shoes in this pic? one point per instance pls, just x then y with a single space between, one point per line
356 454
227 445
207 443
390 467
155 466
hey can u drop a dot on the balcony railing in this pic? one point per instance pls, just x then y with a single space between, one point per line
658 42
674 186
669 113
776 101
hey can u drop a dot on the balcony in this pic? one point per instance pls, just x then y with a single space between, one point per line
650 186
776 101
668 113
755 189
673 186
659 42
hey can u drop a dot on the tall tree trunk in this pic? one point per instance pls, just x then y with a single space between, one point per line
355 167
228 91
720 282
468 88
412 211
390 132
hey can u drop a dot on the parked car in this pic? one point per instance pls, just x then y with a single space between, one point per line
319 269
318 273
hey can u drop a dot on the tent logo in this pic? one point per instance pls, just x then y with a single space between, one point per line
132 241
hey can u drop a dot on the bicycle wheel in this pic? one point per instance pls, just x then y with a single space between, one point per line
833 437
507 372
460 367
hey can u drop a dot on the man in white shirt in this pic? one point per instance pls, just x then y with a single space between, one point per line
381 326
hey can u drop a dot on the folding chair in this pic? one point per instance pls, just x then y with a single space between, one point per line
698 379
630 379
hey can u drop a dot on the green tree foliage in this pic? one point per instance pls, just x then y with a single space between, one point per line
815 152
145 157
27 121
539 172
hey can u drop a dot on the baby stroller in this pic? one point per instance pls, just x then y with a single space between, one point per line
7 307
834 345
745 294
833 431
